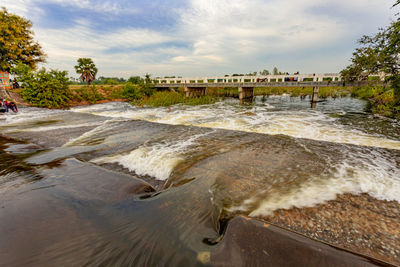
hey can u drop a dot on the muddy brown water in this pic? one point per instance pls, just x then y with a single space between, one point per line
189 184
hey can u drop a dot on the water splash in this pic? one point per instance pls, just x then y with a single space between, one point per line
261 118
358 174
157 159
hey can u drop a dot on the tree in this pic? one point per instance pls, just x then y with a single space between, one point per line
275 71
44 88
135 80
17 43
148 86
265 72
378 55
87 69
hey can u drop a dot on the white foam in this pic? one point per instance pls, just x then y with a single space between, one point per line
380 179
156 160
29 114
86 138
260 119
57 127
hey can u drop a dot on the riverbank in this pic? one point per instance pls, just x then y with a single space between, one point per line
380 99
359 223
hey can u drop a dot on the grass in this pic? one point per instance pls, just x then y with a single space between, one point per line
95 93
324 92
380 99
90 94
164 99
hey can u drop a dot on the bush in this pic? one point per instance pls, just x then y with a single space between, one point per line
164 99
132 91
44 88
89 93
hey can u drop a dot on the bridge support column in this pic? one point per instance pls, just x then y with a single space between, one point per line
314 97
246 93
195 91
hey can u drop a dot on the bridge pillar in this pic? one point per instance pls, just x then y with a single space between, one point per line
245 93
195 91
314 97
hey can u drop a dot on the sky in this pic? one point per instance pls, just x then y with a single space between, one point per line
202 37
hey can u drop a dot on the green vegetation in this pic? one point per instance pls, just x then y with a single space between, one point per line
164 99
89 93
378 55
87 69
16 42
380 99
44 88
324 92
133 91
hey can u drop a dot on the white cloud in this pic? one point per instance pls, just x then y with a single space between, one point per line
220 36
239 32
98 6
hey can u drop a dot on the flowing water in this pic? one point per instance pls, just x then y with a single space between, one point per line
118 185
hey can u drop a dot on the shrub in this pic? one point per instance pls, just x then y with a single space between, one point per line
163 99
44 88
89 93
132 91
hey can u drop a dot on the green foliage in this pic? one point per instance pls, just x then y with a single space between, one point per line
87 69
135 80
265 72
380 99
324 92
132 91
117 93
88 93
378 54
44 88
16 42
109 80
204 100
164 99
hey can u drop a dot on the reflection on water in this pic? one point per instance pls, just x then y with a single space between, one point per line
66 204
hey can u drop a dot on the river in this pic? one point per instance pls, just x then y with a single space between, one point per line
113 184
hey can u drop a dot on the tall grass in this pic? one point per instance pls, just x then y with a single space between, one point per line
164 99
90 94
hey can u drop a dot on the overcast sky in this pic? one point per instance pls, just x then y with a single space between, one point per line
202 37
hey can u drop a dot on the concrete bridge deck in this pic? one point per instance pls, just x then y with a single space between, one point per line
256 84
246 89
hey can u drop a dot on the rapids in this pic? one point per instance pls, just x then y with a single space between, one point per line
120 185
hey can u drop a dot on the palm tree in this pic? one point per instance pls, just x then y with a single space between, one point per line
87 69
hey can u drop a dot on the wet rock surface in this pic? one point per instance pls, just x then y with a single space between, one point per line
248 242
360 223
72 211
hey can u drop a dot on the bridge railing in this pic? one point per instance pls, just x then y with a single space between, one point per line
261 84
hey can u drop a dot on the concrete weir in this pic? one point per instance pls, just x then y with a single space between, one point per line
195 91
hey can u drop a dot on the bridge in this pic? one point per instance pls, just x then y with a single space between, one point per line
246 90
258 78
197 86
